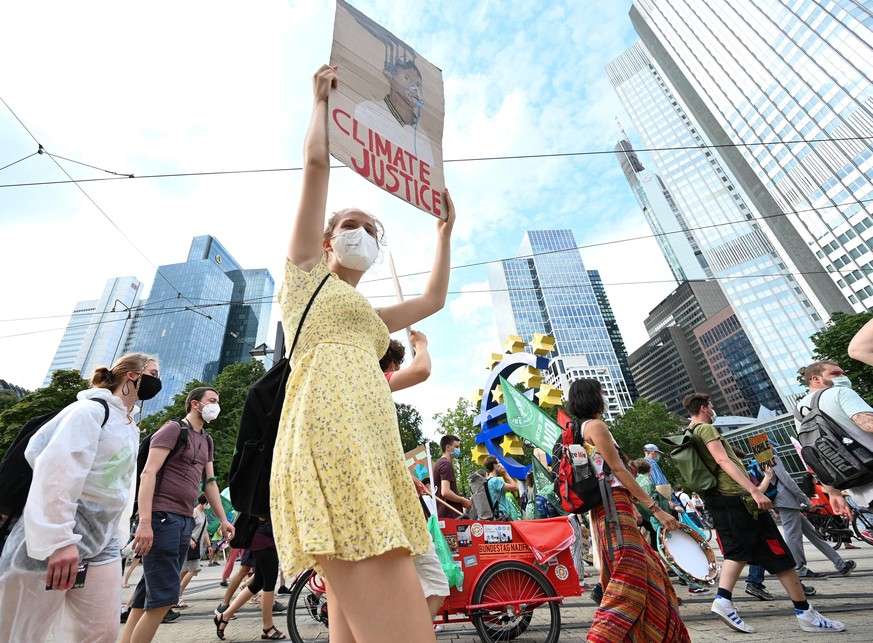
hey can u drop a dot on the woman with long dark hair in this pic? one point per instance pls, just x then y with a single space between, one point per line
638 603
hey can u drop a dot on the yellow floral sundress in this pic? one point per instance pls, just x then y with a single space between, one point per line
339 485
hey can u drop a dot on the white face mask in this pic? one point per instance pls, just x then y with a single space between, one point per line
210 412
842 381
714 415
355 249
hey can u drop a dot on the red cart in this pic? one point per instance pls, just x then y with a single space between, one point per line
516 574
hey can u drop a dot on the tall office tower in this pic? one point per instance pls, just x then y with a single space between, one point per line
697 344
614 333
194 342
97 329
691 304
676 241
549 291
797 77
778 308
736 367
665 370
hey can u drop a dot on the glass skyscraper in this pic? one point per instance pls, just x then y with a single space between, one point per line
98 329
547 290
675 240
223 314
614 331
790 85
778 309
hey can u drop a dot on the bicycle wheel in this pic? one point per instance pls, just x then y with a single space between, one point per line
516 591
307 609
862 523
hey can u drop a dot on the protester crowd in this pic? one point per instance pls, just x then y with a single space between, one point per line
100 499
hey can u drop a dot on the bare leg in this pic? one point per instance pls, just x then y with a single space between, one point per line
141 625
267 609
363 588
339 629
730 573
234 583
129 571
434 603
186 578
791 582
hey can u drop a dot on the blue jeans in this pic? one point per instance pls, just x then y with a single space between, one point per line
756 575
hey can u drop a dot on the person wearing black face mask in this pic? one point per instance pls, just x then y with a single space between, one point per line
165 525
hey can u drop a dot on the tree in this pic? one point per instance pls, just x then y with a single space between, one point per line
458 420
232 384
645 423
832 343
62 390
409 420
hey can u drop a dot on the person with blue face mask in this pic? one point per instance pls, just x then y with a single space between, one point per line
445 481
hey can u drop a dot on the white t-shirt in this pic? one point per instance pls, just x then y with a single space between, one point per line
686 503
841 403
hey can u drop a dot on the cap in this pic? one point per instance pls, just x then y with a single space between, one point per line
652 447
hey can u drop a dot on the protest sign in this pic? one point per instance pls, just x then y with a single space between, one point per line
386 116
762 450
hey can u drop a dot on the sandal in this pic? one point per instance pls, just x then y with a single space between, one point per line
275 636
220 625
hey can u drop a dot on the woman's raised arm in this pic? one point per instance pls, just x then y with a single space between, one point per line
433 298
305 248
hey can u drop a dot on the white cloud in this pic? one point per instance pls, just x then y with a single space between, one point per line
209 86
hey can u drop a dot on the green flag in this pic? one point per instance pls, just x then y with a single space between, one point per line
527 420
544 485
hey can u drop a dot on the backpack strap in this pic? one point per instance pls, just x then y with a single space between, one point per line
490 501
305 311
105 406
181 443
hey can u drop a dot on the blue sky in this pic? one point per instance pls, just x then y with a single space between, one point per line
188 87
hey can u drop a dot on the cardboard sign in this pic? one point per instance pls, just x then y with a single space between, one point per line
762 450
386 117
419 463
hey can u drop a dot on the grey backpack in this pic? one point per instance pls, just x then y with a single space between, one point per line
836 458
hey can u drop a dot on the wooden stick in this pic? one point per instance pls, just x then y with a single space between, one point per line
438 499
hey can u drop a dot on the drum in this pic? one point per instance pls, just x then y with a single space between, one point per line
688 554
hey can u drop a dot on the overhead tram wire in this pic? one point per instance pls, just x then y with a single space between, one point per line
274 299
119 176
538 254
19 160
41 150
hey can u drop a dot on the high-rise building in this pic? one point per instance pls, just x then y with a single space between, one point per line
671 231
191 338
547 290
786 91
614 333
778 307
665 370
735 365
97 329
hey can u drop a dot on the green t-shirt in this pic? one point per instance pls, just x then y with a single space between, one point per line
704 434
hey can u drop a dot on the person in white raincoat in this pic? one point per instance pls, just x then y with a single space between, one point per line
82 481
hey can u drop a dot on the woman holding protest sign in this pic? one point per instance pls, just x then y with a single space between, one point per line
338 413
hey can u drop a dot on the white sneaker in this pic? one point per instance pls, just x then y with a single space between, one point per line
439 628
812 621
725 610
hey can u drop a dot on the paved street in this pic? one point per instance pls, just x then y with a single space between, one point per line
847 599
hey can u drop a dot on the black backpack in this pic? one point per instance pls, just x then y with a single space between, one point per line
249 476
576 482
143 456
836 458
16 474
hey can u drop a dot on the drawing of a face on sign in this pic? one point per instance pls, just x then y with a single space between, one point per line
386 116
